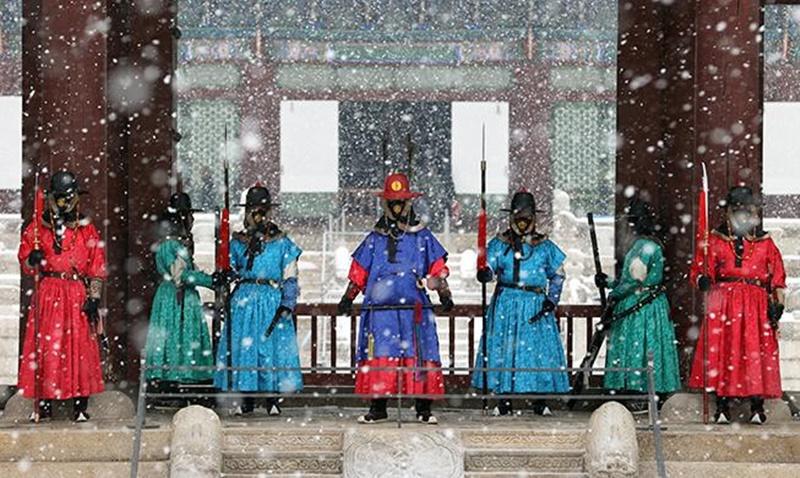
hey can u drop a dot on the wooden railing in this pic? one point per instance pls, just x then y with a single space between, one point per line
315 320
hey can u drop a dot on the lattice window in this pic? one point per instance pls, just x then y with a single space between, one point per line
11 28
201 151
582 152
782 34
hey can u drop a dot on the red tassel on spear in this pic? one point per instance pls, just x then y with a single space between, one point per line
38 207
482 264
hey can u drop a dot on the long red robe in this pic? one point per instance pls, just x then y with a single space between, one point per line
742 346
68 347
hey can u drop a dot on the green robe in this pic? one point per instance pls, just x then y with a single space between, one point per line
631 338
172 339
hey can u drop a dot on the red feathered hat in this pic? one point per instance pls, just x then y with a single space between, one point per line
396 187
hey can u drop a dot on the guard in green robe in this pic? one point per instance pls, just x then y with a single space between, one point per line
178 334
642 323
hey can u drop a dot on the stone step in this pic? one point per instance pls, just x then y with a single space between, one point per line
745 445
532 474
158 469
77 444
529 460
281 475
268 440
712 469
524 440
323 463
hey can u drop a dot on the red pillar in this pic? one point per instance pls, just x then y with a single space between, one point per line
96 102
529 148
689 85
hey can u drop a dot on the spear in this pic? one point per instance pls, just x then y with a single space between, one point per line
482 263
410 152
38 206
702 235
222 261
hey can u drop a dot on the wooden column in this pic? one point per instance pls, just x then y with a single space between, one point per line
529 147
148 109
97 101
262 108
64 103
685 99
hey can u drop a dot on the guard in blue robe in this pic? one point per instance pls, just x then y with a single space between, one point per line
261 334
521 330
393 267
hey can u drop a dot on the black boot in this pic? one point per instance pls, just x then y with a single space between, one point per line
757 414
540 408
79 407
273 406
723 414
424 414
377 412
45 412
248 404
504 407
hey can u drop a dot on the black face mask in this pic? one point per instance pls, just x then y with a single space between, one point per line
64 208
396 209
523 224
258 219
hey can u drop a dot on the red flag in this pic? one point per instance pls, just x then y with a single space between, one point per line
482 239
38 208
701 233
223 257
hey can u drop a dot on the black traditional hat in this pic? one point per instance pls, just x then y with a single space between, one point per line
642 215
639 208
181 203
522 201
741 196
258 196
64 183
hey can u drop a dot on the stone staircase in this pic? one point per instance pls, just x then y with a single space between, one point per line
532 453
267 452
723 453
86 452
315 453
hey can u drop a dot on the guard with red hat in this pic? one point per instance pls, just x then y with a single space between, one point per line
393 267
745 281
66 250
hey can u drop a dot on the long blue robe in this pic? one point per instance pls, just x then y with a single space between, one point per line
513 342
253 307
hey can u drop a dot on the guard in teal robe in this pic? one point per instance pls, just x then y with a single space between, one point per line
643 312
178 335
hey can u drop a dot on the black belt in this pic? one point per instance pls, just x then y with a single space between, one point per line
743 280
63 275
526 288
272 283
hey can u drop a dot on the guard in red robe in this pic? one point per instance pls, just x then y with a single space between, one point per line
68 251
744 281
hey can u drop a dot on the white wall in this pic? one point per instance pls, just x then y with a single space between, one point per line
10 142
468 119
309 146
781 148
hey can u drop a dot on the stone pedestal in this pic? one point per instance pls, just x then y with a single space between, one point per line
688 408
196 450
109 405
402 453
612 450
